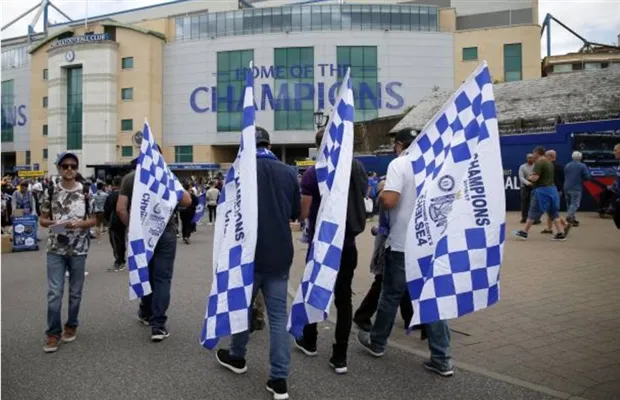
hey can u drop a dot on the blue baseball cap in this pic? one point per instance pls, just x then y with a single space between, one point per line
66 154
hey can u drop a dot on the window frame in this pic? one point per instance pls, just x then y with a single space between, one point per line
123 129
465 51
508 47
44 130
45 102
44 153
183 157
129 90
123 148
45 74
123 67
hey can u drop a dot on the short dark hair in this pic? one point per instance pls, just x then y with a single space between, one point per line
539 150
99 185
318 138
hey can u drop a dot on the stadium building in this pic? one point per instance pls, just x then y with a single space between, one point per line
87 86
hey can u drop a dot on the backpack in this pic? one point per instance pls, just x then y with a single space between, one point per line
356 209
50 194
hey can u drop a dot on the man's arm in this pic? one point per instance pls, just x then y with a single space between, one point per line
390 196
121 209
44 220
586 173
306 202
523 176
296 209
186 200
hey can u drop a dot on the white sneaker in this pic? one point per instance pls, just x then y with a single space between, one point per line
67 274
85 273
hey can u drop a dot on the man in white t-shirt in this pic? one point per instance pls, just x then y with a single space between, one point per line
398 197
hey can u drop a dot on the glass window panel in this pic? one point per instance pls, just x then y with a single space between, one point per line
513 76
187 28
222 62
230 23
326 18
238 29
281 120
395 23
470 53
276 20
292 57
386 17
424 18
246 57
258 21
127 62
127 151
204 26
195 22
279 56
127 124
432 19
356 17
306 19
366 18
212 29
415 18
267 20
296 24
562 68
45 130
286 19
179 28
376 17
247 21
357 56
221 24
336 19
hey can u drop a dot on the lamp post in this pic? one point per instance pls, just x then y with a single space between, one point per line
320 119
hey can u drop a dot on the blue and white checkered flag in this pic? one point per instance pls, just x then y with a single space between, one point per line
333 171
156 192
456 234
234 239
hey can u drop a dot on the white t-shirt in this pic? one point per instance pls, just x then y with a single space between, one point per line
400 179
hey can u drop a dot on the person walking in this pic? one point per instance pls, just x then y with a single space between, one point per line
575 174
117 231
99 199
153 308
186 214
525 170
398 197
23 200
65 210
213 195
278 204
355 224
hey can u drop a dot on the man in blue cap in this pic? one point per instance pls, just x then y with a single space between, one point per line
65 211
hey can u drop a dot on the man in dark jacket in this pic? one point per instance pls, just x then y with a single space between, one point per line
356 222
117 230
278 205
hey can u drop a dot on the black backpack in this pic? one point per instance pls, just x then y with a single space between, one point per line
50 194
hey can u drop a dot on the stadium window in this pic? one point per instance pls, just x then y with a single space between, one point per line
299 113
363 63
45 154
44 130
8 102
44 102
230 84
27 157
127 151
183 154
127 63
126 124
512 62
127 93
45 74
470 53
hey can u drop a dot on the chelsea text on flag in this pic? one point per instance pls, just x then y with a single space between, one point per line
333 171
234 239
156 192
456 234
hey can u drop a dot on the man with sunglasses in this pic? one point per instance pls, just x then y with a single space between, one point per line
65 212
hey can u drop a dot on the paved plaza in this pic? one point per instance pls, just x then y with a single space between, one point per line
554 334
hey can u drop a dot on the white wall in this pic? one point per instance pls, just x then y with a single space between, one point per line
21 91
420 60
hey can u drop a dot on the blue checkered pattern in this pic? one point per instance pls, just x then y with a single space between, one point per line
228 305
153 178
333 170
455 270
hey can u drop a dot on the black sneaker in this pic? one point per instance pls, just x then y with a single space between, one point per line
575 223
559 237
441 371
278 388
305 347
567 229
363 325
143 320
159 334
363 338
339 364
236 365
520 234
121 268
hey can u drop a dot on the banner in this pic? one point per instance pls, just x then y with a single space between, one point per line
156 192
456 234
333 172
234 239
25 233
200 208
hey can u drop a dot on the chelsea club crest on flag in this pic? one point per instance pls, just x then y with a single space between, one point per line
333 171
456 234
156 192
234 239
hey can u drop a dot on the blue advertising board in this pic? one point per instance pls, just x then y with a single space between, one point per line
25 233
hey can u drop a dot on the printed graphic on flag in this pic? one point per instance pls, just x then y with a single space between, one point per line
457 230
333 171
234 239
156 192
200 208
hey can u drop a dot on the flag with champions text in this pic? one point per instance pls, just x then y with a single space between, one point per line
456 234
234 239
333 172
156 192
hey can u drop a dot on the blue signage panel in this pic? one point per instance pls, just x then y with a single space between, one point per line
289 95
194 166
14 116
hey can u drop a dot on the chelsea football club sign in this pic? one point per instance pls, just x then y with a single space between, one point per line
94 37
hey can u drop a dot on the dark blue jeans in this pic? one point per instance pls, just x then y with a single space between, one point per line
274 289
394 288
57 265
155 305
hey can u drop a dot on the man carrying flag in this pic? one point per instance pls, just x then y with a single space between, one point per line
447 246
152 191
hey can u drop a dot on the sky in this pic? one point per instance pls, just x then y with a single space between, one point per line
595 20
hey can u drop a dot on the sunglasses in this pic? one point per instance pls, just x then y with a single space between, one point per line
69 166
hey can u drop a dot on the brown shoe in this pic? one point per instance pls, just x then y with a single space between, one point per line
51 345
69 334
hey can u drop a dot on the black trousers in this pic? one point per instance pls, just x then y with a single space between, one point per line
526 198
342 301
117 240
186 223
211 213
369 305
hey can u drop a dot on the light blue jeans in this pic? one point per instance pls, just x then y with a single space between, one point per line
573 200
392 292
275 293
57 265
